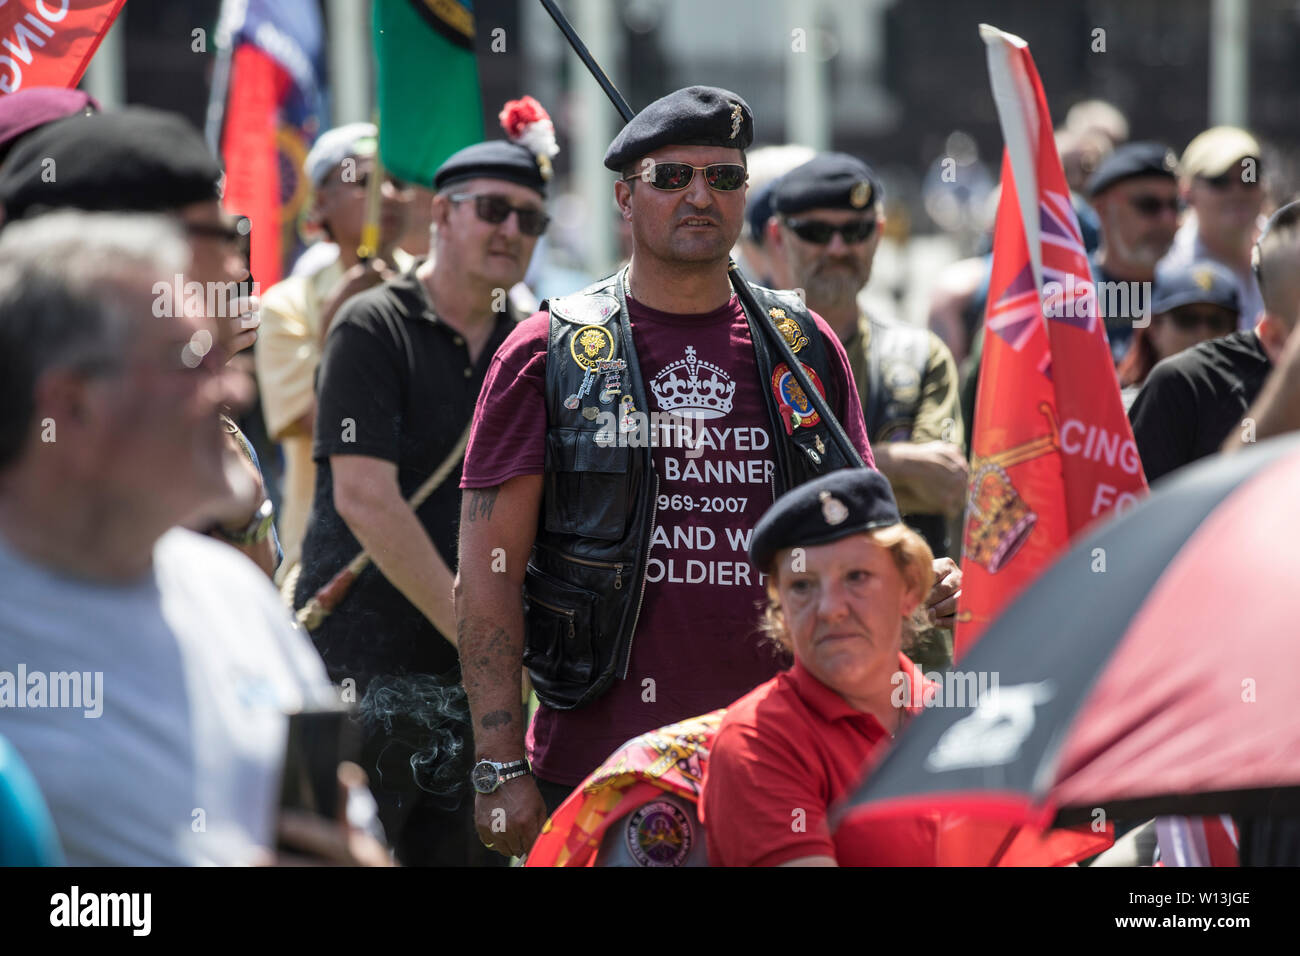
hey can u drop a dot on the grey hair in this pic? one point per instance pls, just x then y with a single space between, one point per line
66 280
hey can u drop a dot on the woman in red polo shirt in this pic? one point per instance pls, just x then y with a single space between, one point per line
844 574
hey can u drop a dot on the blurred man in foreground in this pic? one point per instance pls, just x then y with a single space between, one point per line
154 666
143 160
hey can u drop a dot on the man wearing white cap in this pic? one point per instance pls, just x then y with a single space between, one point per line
296 312
1218 177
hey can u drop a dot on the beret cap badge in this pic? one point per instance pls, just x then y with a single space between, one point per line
860 195
833 510
737 117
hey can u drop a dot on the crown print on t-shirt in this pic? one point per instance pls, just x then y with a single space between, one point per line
683 389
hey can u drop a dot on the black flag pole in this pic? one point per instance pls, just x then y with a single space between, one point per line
588 60
738 281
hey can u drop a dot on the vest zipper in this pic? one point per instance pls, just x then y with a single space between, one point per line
565 611
654 513
617 566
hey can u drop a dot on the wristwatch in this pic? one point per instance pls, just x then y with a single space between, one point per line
488 775
257 529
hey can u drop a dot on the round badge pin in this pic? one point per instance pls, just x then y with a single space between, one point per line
571 402
659 834
590 345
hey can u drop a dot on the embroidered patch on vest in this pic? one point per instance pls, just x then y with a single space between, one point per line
789 329
590 345
791 399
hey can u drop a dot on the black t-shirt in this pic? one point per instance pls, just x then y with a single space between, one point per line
395 383
1193 400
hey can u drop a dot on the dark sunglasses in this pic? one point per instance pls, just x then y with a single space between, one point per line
1152 206
234 231
1190 318
400 185
724 177
1223 181
496 210
820 233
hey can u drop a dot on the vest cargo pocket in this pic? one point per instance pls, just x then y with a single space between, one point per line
559 619
586 485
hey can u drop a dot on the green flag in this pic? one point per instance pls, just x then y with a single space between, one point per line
429 100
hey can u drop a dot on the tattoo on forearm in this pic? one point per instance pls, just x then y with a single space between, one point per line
481 503
498 718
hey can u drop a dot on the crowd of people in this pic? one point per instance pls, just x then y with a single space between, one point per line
511 536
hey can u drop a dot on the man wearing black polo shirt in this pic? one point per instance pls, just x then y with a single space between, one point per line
399 379
1193 400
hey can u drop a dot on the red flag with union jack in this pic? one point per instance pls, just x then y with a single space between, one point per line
1051 450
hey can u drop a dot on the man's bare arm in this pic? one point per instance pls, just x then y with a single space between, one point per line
369 499
497 529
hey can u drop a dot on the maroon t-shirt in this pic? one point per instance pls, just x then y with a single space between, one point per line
697 645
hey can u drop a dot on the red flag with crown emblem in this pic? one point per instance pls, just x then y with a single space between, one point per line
1051 450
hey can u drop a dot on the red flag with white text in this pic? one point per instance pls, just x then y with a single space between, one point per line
1051 448
50 42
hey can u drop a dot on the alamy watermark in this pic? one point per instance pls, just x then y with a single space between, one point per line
1080 298
949 689
76 690
216 300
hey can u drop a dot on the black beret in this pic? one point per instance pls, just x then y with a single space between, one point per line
495 159
759 212
834 506
1131 160
132 160
695 116
827 181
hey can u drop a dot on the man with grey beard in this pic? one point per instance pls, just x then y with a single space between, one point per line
824 237
1136 198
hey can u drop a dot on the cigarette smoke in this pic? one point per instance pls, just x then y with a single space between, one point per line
426 722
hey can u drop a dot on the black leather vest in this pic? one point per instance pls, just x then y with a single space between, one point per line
586 579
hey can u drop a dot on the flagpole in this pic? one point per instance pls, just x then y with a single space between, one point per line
220 87
588 60
368 247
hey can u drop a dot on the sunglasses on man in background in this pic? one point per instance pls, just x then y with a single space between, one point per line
497 209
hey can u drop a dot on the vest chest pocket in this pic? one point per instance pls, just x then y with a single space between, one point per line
587 489
558 624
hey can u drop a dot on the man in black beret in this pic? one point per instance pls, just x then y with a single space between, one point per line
626 441
830 216
150 161
399 376
1135 194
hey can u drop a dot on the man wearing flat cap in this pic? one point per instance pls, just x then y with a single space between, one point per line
830 215
297 310
1219 179
399 377
1136 197
626 442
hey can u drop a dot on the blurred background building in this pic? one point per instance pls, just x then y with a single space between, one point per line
901 83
